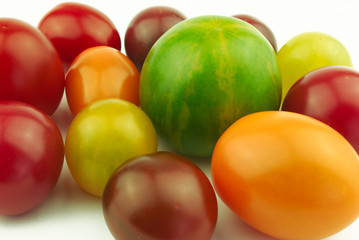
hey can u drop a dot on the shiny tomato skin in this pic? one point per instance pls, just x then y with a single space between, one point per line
329 94
104 135
30 69
261 26
73 27
287 175
98 73
145 28
160 196
31 157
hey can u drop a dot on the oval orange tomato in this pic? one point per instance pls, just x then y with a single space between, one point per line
287 175
99 73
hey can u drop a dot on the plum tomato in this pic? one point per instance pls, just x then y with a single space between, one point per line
98 73
160 196
306 52
145 28
30 69
73 27
104 135
262 27
288 175
329 94
31 157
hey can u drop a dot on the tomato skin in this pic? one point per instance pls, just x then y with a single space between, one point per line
217 69
308 51
287 175
73 27
98 73
30 69
330 95
104 135
180 202
31 157
145 28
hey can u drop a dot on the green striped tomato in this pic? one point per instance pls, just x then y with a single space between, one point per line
202 75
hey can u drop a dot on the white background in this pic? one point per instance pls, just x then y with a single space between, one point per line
70 213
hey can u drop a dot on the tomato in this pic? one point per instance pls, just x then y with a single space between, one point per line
145 28
98 73
104 135
179 201
73 27
30 69
329 94
31 157
287 175
217 69
262 27
306 52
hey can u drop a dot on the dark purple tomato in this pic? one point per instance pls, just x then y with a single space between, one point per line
73 27
30 68
145 28
331 95
160 196
31 157
263 28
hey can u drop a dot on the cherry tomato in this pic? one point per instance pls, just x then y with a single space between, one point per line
104 135
98 73
262 27
160 196
306 52
287 175
145 28
73 27
31 157
329 94
30 69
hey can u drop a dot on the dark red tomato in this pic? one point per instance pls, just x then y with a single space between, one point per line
329 94
262 27
74 27
145 28
160 196
30 68
31 157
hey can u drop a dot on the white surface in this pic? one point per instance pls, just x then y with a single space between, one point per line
70 213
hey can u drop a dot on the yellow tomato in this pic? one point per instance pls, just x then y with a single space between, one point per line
287 175
306 52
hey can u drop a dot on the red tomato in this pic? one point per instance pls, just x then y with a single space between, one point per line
74 27
99 73
329 94
31 157
30 69
287 175
160 196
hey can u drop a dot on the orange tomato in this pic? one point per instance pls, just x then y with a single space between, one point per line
287 175
99 73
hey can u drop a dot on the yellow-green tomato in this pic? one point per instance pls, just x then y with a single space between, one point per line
103 136
306 52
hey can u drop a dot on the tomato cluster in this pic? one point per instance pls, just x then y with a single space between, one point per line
283 142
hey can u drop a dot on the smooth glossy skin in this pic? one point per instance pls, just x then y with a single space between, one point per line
308 51
262 27
206 72
31 157
329 94
287 175
73 27
160 196
30 69
99 73
104 135
145 28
